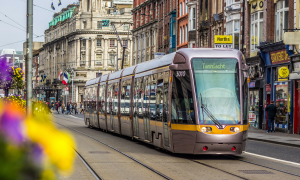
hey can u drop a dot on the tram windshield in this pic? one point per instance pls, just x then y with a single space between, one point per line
217 80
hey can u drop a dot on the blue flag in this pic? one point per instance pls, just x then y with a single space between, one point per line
52 6
59 2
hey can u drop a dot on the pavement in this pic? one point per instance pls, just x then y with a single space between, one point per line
275 137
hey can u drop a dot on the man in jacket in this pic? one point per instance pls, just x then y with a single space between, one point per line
271 109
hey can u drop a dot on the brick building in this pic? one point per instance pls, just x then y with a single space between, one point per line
183 24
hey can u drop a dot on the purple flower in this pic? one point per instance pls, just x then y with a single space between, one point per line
37 154
11 126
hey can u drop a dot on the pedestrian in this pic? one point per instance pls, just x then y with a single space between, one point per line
75 108
68 108
57 106
71 108
81 108
62 108
271 109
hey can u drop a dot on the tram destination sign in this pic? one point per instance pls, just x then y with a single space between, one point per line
215 64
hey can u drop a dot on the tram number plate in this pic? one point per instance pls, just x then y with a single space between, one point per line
180 73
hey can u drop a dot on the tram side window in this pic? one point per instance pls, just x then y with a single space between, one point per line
182 99
109 98
165 91
125 97
139 95
245 103
152 85
159 97
115 99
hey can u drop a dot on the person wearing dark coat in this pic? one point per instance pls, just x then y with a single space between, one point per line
271 109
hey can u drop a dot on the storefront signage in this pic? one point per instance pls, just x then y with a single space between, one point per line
283 73
223 39
268 87
278 57
229 46
297 67
251 85
256 5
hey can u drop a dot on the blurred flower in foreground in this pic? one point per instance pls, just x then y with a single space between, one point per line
32 147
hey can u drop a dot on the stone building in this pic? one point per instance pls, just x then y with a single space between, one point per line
82 41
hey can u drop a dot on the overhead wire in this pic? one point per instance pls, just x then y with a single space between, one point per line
39 7
13 20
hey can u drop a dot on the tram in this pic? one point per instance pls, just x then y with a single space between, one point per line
193 101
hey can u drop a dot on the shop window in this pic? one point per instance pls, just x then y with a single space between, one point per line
254 107
256 29
282 102
281 18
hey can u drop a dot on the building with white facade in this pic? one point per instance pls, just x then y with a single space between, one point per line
82 41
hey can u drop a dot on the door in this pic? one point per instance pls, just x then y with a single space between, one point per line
147 108
165 109
297 108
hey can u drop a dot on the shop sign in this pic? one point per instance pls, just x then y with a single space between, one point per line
283 73
223 39
268 87
256 5
251 85
229 46
278 57
297 67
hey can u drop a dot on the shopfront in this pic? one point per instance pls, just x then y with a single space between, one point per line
295 77
279 88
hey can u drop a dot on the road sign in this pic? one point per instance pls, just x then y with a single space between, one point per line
66 89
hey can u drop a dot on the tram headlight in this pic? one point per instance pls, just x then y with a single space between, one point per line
235 129
206 129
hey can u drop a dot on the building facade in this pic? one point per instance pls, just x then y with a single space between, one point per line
82 41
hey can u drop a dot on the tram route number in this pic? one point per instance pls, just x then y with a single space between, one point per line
180 73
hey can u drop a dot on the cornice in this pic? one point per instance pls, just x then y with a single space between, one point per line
144 25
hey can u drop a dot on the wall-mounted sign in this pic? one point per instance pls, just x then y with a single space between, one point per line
158 54
297 67
105 23
256 5
251 85
268 87
278 57
283 73
223 46
223 39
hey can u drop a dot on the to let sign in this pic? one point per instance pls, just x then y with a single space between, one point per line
229 46
279 57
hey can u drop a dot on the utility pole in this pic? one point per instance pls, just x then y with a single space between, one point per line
29 40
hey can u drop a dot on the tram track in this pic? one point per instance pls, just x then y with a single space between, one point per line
198 161
128 156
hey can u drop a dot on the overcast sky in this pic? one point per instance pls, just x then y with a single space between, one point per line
16 10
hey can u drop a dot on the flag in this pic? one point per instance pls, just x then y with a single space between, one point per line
59 2
59 75
69 77
65 80
52 7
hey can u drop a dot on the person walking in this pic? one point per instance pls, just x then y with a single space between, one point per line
62 108
271 109
68 108
57 106
81 108
75 108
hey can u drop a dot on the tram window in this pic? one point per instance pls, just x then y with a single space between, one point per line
109 98
125 97
182 100
165 94
159 98
246 105
115 99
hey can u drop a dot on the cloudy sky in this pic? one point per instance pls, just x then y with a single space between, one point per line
13 20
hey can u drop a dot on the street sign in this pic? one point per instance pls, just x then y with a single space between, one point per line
66 89
229 46
158 54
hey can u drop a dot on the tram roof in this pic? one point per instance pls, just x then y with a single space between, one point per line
104 78
155 63
115 75
92 81
209 52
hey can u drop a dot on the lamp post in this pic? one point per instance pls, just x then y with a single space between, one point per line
72 73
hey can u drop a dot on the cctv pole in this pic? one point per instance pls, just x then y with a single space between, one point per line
29 40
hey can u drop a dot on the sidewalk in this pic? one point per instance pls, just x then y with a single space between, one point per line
277 137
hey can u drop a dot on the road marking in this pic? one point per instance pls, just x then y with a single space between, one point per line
75 117
275 159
